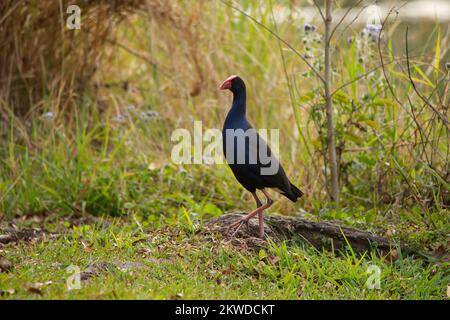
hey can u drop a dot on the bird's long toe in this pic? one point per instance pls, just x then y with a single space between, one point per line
237 226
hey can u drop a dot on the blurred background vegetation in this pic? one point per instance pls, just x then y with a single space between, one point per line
87 115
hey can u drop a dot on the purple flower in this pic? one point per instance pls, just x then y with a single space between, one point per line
372 31
309 28
146 115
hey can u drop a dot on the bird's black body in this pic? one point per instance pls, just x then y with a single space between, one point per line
249 173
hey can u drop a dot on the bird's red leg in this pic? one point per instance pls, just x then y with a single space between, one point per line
258 203
260 215
258 210
251 214
238 224
261 225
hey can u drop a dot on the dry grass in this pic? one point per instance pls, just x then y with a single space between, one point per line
40 57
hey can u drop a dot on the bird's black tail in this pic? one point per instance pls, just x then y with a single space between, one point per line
294 194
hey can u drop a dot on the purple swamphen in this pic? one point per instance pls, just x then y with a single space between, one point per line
249 157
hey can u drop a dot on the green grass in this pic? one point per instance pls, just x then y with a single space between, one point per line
172 264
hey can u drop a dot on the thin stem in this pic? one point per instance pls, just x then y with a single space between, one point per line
316 72
329 106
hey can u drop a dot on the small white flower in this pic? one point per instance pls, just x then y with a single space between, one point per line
147 115
119 118
47 116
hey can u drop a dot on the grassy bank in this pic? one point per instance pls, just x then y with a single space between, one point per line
124 260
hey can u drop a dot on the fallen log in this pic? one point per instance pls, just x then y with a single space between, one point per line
323 234
27 235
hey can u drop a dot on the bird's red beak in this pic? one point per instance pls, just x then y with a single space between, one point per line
227 83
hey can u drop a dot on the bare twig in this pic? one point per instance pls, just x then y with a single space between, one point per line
345 16
16 5
291 94
444 120
364 75
316 72
353 20
329 106
320 11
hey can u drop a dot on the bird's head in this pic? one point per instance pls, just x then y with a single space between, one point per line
233 83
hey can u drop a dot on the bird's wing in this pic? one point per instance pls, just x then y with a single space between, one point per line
255 164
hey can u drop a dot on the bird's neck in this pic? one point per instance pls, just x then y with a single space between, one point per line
239 103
